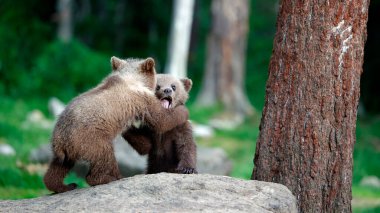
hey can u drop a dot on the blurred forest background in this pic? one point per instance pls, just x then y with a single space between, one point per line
35 65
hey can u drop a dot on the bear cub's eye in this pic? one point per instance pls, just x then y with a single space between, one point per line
173 87
158 87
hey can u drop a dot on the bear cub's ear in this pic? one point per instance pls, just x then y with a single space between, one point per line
187 83
148 65
116 63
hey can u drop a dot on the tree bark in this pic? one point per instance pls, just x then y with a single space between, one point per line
226 54
65 27
180 38
307 131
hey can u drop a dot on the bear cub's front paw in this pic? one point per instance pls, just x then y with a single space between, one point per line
186 170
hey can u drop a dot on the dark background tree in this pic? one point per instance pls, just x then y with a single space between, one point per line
64 18
307 131
226 54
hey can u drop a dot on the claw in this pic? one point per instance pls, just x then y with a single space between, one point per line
187 170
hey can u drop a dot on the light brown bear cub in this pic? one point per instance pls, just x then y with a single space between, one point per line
173 151
86 128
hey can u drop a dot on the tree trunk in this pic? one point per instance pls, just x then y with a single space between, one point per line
180 38
307 131
65 27
226 53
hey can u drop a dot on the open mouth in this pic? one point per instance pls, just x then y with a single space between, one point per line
166 102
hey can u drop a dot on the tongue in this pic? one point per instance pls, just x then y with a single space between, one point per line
165 103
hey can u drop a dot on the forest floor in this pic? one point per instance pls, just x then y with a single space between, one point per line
18 180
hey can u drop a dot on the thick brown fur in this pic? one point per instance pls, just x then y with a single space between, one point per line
173 151
86 128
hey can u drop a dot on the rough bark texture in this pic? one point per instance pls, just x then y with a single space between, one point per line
307 131
225 67
180 38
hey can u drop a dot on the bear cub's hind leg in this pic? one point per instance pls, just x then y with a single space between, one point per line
105 169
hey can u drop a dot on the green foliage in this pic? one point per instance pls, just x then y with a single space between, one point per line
126 28
64 70
33 64
260 42
23 34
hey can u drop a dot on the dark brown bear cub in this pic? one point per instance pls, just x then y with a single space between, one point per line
175 150
86 128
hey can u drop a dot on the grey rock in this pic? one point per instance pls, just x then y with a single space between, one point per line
7 150
370 181
213 161
226 121
210 160
37 118
56 106
130 162
202 131
166 192
42 154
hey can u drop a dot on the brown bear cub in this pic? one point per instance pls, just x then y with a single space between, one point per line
86 128
175 150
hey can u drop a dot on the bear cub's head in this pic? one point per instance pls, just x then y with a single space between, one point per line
139 69
172 91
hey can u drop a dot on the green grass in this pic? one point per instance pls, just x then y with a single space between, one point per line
15 181
366 163
366 210
365 192
239 143
365 199
367 148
